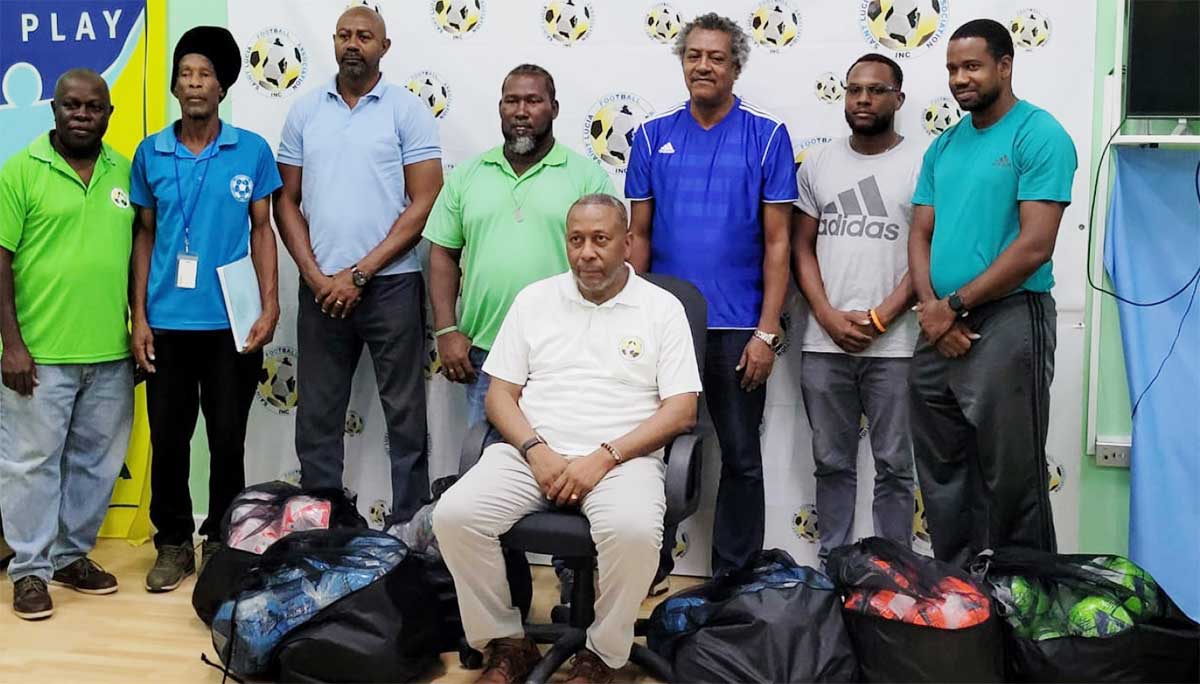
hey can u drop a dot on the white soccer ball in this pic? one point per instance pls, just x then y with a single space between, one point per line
1030 29
940 115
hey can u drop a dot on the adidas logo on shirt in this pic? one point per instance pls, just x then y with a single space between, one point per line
1002 162
667 148
858 205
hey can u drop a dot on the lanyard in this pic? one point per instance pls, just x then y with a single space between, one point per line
187 215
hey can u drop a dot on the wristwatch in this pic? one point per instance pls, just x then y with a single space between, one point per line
360 278
775 342
530 443
956 304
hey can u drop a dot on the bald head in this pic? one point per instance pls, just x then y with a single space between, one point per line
364 13
82 77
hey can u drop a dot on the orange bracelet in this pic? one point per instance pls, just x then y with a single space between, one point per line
875 320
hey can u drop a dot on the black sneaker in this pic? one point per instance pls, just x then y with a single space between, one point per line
85 576
174 563
660 586
207 551
31 599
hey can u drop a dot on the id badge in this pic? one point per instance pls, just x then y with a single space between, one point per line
186 269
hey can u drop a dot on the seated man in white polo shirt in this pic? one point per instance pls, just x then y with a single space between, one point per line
593 372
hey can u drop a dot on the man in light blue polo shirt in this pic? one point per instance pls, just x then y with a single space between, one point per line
361 167
202 189
712 181
987 208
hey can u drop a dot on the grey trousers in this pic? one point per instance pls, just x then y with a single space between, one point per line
390 320
979 431
837 390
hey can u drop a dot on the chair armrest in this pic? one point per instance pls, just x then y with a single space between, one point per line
472 446
684 467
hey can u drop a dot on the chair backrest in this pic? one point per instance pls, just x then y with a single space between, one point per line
694 307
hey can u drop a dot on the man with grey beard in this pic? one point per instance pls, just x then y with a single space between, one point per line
499 224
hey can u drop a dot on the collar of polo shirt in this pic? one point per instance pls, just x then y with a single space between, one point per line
375 93
556 156
626 297
167 141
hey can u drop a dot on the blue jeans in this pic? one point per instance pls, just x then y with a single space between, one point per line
476 391
60 452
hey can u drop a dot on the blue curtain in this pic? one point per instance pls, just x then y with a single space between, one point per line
1152 248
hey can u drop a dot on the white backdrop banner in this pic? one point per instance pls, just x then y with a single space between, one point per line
613 64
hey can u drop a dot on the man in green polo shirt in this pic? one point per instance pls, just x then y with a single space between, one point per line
66 405
499 224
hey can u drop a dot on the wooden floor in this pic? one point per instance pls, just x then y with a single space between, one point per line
135 636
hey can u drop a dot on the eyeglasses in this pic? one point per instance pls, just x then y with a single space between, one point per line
873 90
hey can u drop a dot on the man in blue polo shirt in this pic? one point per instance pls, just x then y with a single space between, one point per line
712 181
202 190
361 167
986 213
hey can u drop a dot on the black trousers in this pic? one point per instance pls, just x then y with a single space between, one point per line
197 370
390 321
979 425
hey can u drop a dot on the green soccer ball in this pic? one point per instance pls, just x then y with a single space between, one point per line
1097 616
1145 601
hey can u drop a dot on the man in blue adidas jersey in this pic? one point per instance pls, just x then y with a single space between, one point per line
986 212
711 184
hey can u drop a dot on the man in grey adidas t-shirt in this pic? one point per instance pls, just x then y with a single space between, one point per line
850 237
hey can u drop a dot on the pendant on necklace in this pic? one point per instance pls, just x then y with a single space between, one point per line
518 215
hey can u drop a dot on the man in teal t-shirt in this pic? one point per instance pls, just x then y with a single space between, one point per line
66 405
499 224
987 208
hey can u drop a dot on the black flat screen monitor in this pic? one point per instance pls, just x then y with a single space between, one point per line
1163 76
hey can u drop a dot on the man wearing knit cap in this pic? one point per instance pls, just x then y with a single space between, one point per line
202 191
361 167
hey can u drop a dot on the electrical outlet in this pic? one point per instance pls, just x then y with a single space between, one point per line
1112 452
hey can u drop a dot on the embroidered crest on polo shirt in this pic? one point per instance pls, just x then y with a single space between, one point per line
120 198
631 347
241 187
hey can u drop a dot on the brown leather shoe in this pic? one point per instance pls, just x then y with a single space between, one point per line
587 668
509 661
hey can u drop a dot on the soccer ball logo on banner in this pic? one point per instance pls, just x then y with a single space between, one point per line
277 380
830 88
378 513
354 423
609 127
457 18
775 25
920 537
567 21
367 4
804 524
801 147
432 90
903 27
275 63
1057 476
663 23
682 543
433 362
1030 29
940 115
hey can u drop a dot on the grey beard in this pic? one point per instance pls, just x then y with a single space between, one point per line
521 145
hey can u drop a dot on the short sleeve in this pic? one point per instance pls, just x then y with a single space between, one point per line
923 194
1046 160
637 173
678 372
291 139
418 132
779 168
599 182
508 359
444 225
806 197
12 203
266 175
140 192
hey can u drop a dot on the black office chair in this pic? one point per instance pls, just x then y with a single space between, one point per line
567 535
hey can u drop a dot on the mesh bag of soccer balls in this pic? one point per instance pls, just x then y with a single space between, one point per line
1084 618
915 619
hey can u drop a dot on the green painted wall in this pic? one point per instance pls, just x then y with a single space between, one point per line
181 16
